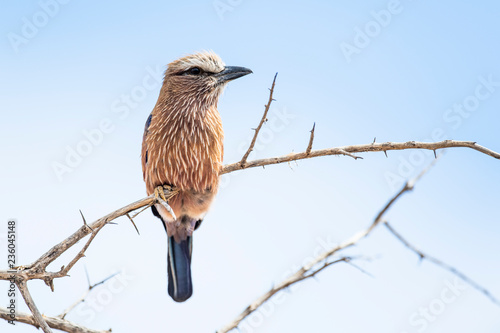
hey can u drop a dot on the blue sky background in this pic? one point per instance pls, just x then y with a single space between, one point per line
73 73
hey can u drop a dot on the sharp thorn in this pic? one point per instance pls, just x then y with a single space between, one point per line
83 217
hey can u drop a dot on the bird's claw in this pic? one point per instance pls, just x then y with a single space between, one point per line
159 193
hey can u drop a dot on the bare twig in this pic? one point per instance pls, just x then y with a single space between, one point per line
36 270
443 265
345 153
84 296
64 271
133 223
297 277
360 269
313 272
53 322
262 121
143 208
349 150
39 321
309 270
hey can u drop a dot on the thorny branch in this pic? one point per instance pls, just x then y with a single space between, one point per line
262 121
53 322
443 265
311 268
45 322
82 299
38 269
364 148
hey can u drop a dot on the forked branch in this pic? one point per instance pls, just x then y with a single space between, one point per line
326 258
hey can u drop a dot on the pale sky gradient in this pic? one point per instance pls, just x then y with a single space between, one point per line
407 74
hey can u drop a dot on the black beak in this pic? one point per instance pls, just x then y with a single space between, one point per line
231 72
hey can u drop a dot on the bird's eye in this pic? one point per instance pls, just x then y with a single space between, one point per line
195 71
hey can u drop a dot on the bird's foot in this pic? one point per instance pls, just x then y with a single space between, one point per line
160 196
160 191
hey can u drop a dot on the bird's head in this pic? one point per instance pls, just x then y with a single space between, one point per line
199 77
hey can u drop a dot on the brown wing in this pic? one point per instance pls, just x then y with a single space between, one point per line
144 153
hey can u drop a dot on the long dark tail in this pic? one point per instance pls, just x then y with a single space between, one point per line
180 287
